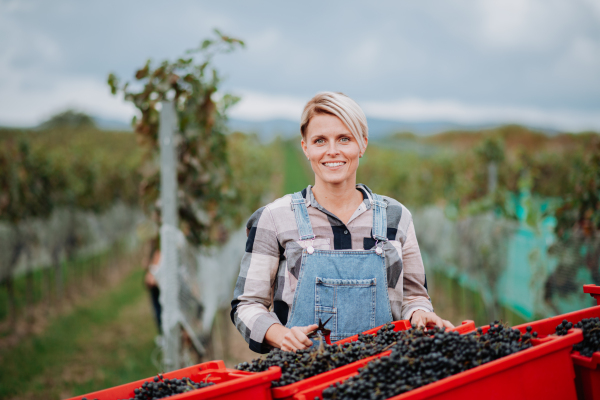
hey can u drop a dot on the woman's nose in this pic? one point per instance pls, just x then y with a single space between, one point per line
332 149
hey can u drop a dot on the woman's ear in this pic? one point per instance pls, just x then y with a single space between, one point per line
304 149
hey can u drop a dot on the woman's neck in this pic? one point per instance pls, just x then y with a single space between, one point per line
341 200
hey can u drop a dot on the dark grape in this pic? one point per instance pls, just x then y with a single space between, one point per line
160 388
432 345
421 357
322 358
591 335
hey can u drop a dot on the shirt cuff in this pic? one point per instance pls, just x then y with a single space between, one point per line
259 330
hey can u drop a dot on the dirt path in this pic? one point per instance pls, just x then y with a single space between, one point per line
102 344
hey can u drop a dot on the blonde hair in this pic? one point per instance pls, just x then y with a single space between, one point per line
341 106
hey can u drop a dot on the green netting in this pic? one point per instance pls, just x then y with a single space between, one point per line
508 263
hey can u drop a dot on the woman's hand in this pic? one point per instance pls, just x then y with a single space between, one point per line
423 318
150 279
289 339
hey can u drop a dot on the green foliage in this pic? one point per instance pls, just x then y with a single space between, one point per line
491 149
64 167
25 182
453 173
417 180
580 212
296 168
255 179
206 191
69 119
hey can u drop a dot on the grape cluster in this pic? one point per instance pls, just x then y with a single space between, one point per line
322 358
161 388
563 328
421 357
591 335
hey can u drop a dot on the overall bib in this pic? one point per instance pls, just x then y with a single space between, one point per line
348 285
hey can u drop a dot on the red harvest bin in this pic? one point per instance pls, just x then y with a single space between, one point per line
543 371
288 391
594 291
229 384
587 371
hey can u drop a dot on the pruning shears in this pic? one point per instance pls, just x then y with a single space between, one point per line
321 331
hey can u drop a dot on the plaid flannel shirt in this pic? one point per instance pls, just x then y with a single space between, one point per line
269 270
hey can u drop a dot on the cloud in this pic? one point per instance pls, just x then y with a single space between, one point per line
20 107
456 111
260 106
473 59
539 26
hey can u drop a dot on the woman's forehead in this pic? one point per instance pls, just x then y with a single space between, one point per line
326 125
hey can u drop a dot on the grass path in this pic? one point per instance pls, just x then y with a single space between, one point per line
297 172
103 343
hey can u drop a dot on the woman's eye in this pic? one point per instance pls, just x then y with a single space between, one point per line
345 139
319 141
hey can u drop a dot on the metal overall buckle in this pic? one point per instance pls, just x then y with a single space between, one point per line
378 249
311 249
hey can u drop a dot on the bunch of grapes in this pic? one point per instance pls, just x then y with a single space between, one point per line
322 358
591 335
161 388
421 357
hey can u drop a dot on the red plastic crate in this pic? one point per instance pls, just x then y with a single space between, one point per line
402 325
587 371
229 384
543 371
288 391
594 291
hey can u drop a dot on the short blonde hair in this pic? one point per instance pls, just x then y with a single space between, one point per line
341 106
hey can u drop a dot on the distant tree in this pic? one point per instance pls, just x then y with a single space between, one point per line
491 151
207 197
69 119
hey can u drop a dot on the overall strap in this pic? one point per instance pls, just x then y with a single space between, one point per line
379 218
302 220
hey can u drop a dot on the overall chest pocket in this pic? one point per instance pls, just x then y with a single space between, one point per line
351 303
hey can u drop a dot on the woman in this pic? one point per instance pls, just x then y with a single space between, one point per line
336 249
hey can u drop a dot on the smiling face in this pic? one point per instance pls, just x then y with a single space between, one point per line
332 150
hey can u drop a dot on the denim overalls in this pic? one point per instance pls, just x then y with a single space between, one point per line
348 285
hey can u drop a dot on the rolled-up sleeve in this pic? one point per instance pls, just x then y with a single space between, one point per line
414 291
253 291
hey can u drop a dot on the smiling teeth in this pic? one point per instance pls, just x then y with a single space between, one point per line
335 164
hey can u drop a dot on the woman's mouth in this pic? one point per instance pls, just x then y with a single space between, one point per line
334 164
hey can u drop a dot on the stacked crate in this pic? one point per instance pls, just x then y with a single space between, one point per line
547 370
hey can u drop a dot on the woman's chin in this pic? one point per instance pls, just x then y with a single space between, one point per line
334 180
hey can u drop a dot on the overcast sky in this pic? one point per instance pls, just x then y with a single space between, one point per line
528 61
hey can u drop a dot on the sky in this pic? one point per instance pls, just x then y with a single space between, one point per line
534 62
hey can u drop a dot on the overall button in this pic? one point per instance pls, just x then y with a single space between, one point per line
310 249
345 232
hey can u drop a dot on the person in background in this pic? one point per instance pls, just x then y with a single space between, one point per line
152 266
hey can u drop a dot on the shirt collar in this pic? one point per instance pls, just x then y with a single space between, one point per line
312 202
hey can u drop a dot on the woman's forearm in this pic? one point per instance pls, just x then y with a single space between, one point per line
274 335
